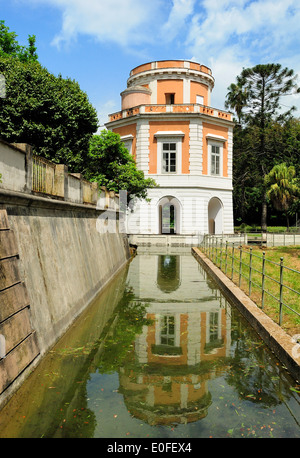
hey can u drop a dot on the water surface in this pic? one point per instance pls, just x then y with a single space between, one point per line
159 354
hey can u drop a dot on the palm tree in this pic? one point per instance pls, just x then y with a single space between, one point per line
256 99
282 187
236 98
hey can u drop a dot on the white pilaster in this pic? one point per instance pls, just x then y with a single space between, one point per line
186 90
142 145
153 88
196 147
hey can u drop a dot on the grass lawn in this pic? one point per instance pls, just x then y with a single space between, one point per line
275 229
269 301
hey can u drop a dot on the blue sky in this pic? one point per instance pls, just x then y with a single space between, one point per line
98 42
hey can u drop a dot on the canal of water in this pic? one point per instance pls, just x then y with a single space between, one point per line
159 354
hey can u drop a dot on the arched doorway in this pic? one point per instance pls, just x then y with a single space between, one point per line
169 215
215 216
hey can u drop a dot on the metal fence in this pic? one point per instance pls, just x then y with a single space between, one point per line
252 271
43 173
273 238
263 239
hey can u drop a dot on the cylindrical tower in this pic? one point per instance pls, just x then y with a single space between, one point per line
170 82
134 96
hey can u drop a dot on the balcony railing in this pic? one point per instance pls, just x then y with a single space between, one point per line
176 108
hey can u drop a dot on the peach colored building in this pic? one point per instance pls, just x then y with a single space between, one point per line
178 139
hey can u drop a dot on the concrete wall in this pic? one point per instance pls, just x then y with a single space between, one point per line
13 167
18 340
55 257
63 261
22 171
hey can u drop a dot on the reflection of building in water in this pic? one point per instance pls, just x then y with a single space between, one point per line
168 273
186 345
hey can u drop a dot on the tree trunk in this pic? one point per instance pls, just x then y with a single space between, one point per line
264 211
287 223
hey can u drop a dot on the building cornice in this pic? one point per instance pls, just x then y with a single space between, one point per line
171 73
169 133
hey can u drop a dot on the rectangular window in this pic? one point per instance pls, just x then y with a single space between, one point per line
167 336
170 99
200 99
215 160
169 158
213 326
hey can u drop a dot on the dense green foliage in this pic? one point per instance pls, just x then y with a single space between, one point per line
264 136
50 113
111 165
282 187
9 45
130 317
55 117
282 145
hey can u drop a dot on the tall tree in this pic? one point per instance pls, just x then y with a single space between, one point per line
263 86
112 166
236 99
50 113
282 187
9 45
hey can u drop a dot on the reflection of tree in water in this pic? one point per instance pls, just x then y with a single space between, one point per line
249 370
127 324
253 371
73 418
119 355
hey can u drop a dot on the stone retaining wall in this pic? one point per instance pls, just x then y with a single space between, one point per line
53 262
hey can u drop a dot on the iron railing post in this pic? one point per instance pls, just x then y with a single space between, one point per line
232 261
281 291
250 271
216 246
240 267
263 280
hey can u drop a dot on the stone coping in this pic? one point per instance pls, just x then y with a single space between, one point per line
31 200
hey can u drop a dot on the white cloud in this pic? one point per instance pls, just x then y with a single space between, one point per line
228 35
225 70
124 22
180 11
268 20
